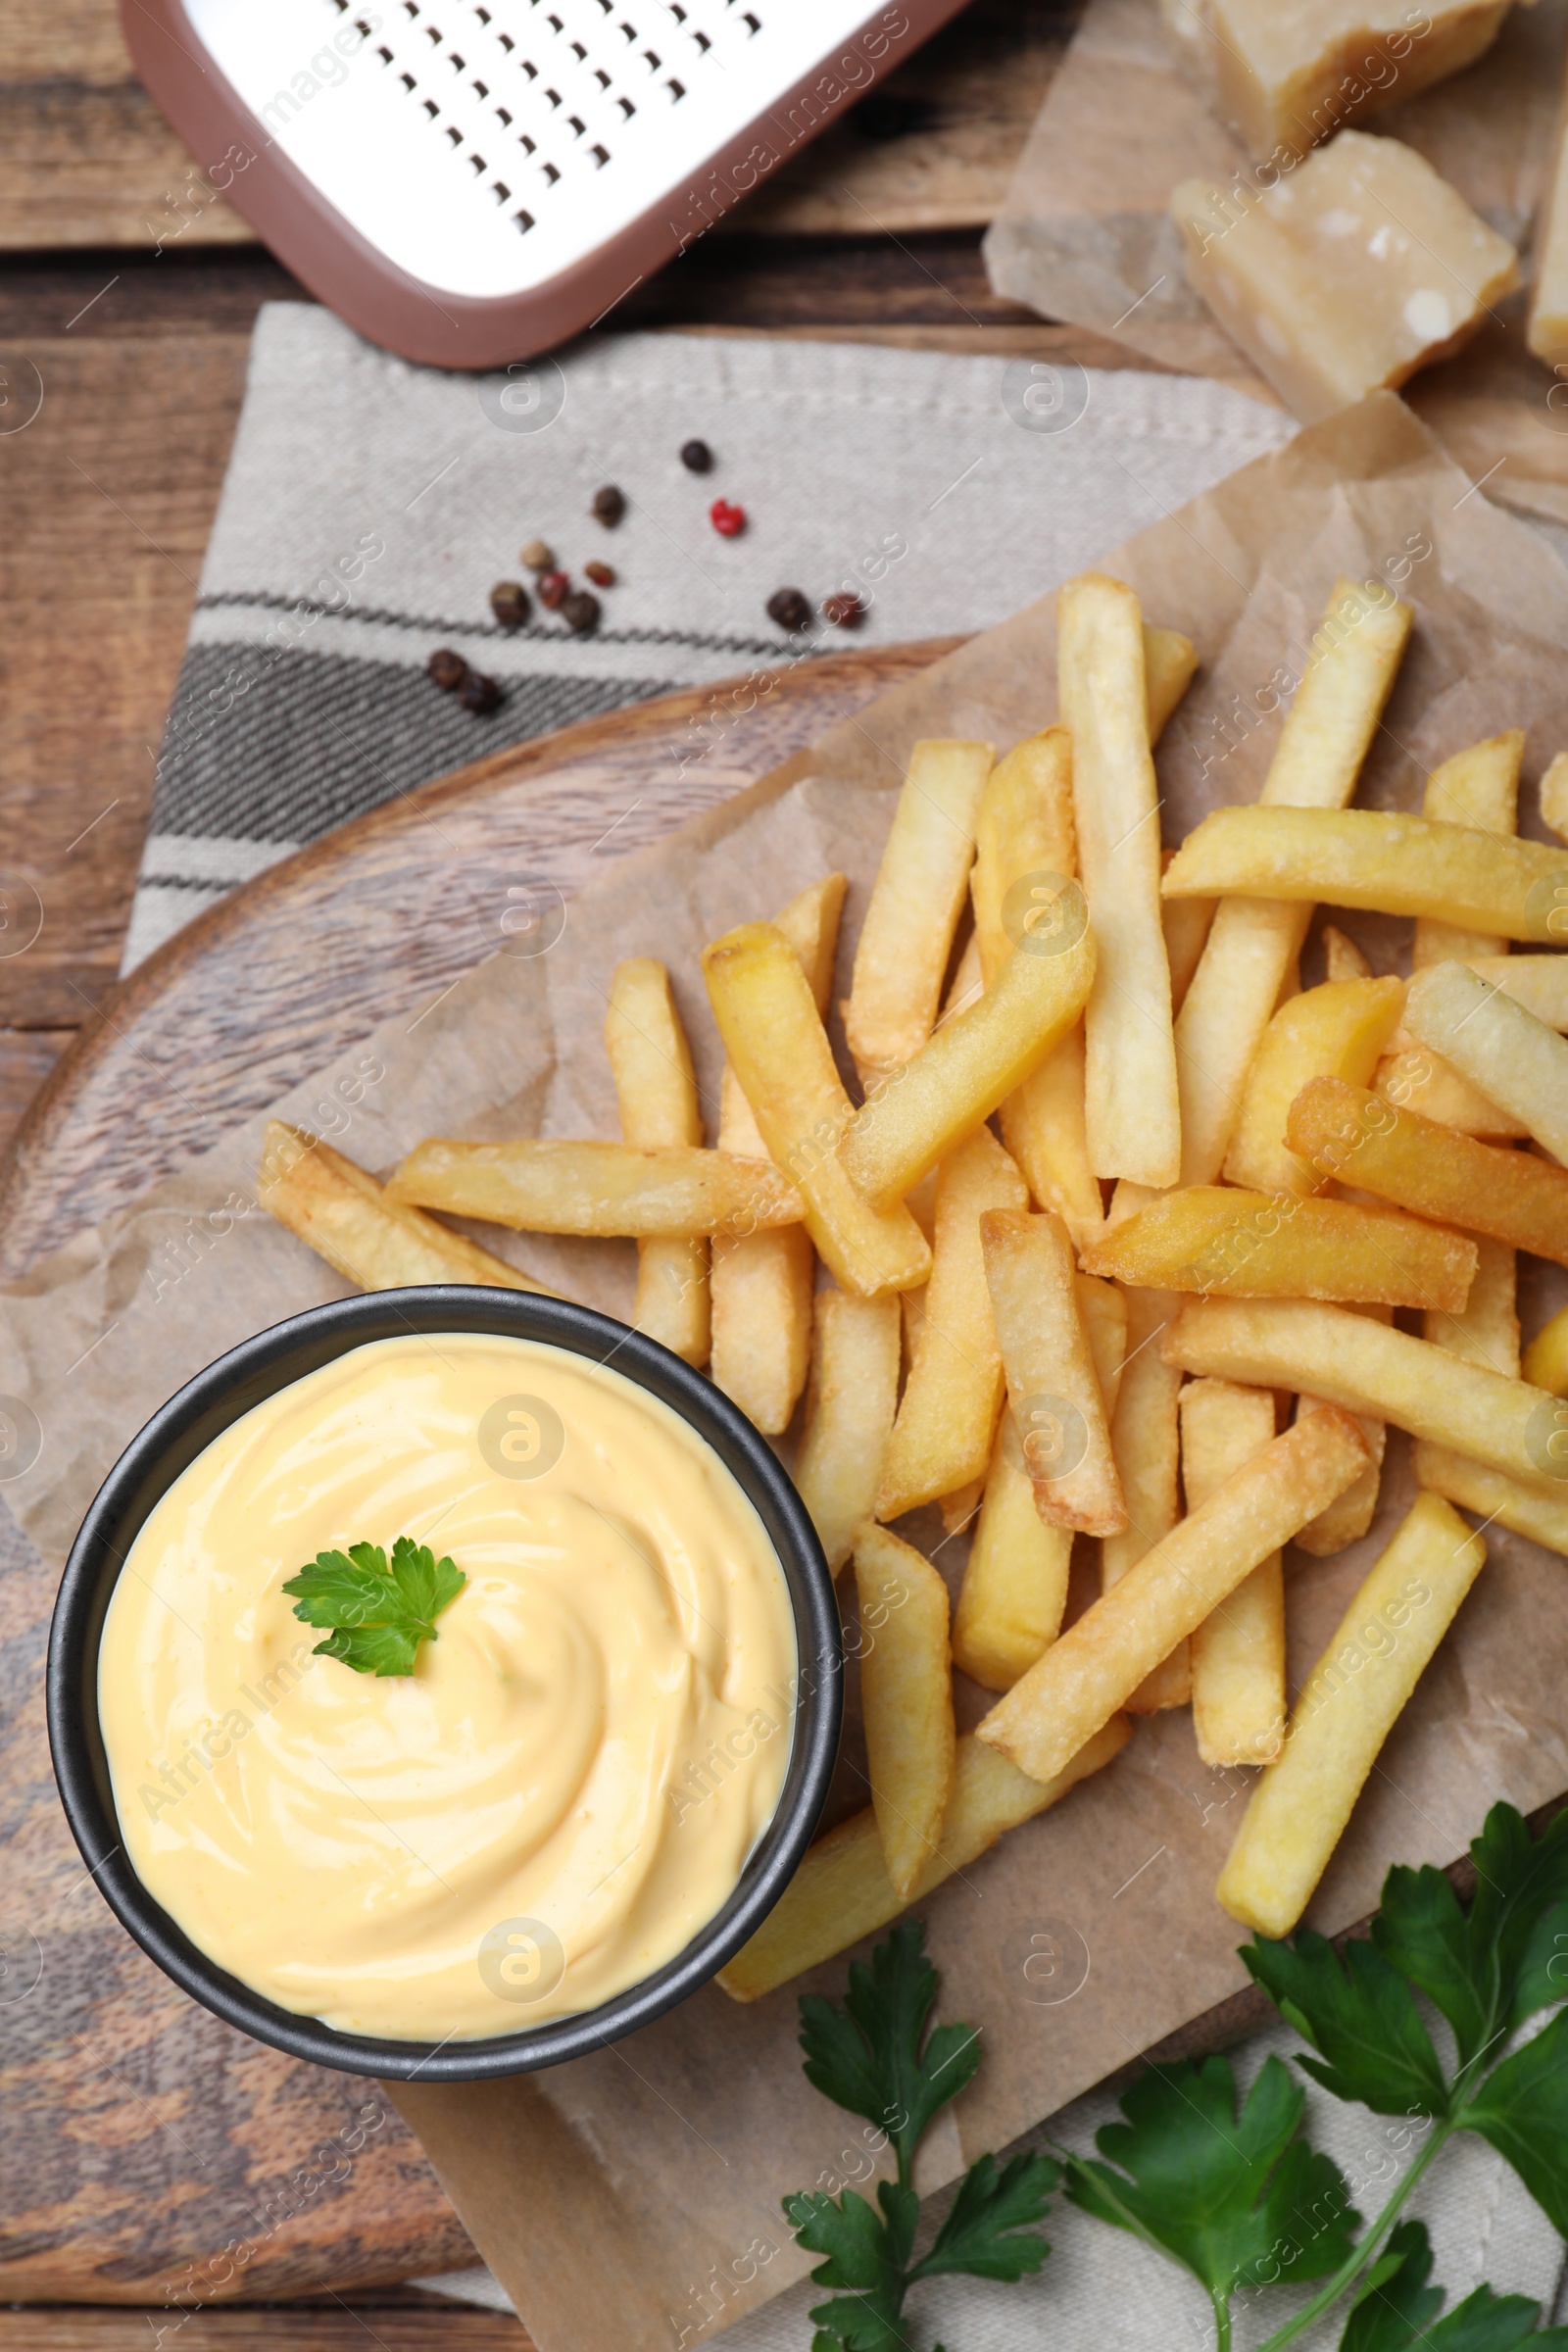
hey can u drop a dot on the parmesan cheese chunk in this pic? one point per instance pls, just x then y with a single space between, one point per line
1354 270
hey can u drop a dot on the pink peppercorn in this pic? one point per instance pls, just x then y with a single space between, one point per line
730 521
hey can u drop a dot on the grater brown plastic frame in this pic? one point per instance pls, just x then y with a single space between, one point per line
423 323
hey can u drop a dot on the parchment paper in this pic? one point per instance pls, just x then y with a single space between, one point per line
631 2200
1084 233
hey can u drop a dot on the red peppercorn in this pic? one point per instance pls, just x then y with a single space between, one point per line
553 586
845 611
730 521
602 574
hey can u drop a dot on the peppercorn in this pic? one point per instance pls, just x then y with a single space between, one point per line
697 456
508 602
601 574
448 669
480 694
727 520
845 611
609 505
537 556
788 607
553 586
580 612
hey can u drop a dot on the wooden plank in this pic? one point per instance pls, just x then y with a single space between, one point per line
264 2328
26 1058
86 160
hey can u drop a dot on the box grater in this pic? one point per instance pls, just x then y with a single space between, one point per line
469 183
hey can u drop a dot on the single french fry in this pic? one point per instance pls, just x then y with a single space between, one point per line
1486 1328
842 1892
1043 1127
1495 1042
972 1061
1365 1367
1352 1701
1185 924
1132 1117
1546 1359
1381 859
912 914
1023 835
1355 1135
592 1188
1052 1387
960 1506
1354 659
1144 1442
1411 1075
1015 1582
1084 1677
1239 1652
1103 1311
348 1219
1170 664
850 1405
1554 803
1228 1244
811 924
1544 1518
1335 1031
1477 787
1350 1515
947 1420
768 1017
906 1697
1342 959
656 1087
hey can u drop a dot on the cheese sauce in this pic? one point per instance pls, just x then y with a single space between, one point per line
566 1787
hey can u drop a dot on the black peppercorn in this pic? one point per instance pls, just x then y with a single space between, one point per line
788 607
480 694
510 603
697 456
580 612
448 669
609 505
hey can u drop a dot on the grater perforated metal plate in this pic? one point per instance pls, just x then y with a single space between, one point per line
470 181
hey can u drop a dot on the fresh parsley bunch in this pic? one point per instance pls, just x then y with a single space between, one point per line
378 1615
873 2058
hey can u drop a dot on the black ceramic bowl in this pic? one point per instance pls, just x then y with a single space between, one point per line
207 1407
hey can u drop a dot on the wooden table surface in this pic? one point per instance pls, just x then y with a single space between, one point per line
132 289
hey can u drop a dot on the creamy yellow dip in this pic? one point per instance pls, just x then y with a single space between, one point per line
566 1787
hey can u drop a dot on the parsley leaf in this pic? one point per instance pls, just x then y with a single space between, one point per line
1522 2109
1232 2196
987 2235
866 2057
378 1616
869 2252
1396 2309
1360 2015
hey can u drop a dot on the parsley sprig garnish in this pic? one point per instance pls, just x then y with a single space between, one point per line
873 2058
378 1615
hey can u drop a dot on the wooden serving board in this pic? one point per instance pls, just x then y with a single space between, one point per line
143 2137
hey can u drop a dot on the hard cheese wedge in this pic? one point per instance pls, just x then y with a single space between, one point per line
1288 74
1358 269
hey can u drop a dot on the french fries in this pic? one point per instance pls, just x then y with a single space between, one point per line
1377 859
1043 1128
1015 1582
842 1892
907 936
906 1700
1430 1169
1132 1116
1335 1031
1170 664
974 1060
1342 959
1546 1361
547 1187
1367 1368
1486 1331
1053 1387
1554 803
1417 1079
363 1234
1186 923
1355 658
1145 1448
1491 1496
1228 1244
1497 1044
1476 787
768 1017
762 1283
943 1436
1351 1703
848 1414
656 1086
1103 1311
1083 1678
1350 1515
1238 1653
